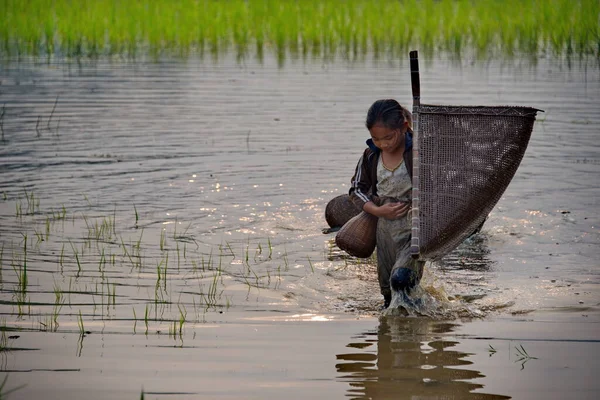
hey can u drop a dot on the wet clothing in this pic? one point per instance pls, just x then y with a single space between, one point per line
373 182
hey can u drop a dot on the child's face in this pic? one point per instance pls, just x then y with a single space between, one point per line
386 139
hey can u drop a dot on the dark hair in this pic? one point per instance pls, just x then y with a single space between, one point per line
389 113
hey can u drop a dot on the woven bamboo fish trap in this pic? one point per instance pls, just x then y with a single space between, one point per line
358 236
464 157
340 210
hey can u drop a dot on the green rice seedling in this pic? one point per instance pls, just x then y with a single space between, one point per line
102 297
138 245
523 356
178 257
100 263
21 273
45 326
491 350
219 267
59 301
247 282
134 320
39 236
157 286
173 330
212 291
33 203
70 289
187 228
256 278
209 263
163 239
114 221
247 250
270 248
28 200
89 203
76 254
285 259
146 313
312 268
106 229
182 319
278 277
80 324
62 257
228 246
47 228
87 225
137 217
4 196
126 253
165 272
258 251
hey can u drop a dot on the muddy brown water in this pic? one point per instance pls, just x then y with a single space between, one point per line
161 231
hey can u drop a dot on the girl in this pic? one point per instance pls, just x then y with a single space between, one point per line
381 186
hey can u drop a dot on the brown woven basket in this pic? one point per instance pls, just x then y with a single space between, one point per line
358 236
340 210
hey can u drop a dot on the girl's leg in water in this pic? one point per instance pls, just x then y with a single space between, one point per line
407 271
386 258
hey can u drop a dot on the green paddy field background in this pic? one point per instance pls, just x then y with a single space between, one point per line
299 28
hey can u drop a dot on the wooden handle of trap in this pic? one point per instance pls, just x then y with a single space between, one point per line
414 77
416 92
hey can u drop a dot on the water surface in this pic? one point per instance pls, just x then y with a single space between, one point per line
155 193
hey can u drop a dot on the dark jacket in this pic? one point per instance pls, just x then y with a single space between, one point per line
364 181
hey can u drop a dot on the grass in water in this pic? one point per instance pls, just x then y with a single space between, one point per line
299 28
112 252
80 324
523 356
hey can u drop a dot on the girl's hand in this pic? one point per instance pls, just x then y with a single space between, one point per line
393 210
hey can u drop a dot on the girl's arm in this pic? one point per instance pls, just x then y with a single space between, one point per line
361 185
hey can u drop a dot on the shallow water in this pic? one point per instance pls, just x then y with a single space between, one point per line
179 205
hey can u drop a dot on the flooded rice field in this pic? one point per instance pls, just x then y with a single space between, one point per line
161 233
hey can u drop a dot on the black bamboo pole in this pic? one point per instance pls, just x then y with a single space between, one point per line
414 78
416 92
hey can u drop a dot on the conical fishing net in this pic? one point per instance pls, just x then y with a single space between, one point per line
464 159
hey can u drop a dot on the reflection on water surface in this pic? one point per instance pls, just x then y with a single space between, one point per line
408 358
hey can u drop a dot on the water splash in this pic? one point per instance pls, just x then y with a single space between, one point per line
432 302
